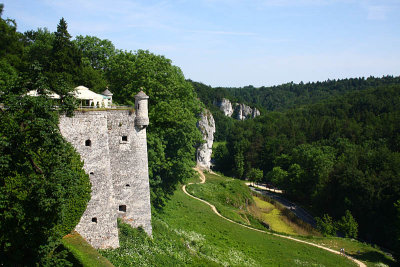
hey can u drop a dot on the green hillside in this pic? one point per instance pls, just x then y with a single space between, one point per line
188 233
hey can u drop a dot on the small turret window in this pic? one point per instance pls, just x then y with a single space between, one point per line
88 143
122 208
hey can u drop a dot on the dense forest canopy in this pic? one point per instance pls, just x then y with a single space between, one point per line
340 154
291 95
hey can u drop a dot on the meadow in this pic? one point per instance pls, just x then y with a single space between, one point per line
187 233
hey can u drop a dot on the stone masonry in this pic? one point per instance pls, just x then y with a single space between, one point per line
113 146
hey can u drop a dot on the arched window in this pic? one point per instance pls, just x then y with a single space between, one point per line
88 143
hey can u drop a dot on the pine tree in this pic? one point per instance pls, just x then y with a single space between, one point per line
65 59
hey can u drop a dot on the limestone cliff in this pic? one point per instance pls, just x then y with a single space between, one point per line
225 106
206 125
237 110
243 112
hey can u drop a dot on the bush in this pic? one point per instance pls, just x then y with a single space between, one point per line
326 225
348 225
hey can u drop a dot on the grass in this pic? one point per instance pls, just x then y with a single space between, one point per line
234 200
230 196
273 217
279 218
188 233
361 251
82 253
287 217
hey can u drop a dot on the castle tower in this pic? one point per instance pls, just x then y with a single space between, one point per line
109 95
141 107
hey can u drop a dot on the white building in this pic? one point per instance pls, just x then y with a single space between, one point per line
88 99
91 99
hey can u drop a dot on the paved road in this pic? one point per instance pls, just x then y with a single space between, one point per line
297 210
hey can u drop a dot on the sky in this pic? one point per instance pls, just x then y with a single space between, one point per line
235 43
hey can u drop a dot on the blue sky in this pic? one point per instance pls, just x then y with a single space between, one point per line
238 42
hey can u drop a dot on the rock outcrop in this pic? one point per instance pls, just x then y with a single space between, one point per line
243 112
225 106
206 125
239 112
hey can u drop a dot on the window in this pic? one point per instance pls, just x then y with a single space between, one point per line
88 143
91 173
128 185
122 208
94 219
125 138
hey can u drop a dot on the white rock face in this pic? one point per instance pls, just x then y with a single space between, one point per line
206 125
256 113
225 106
240 111
244 112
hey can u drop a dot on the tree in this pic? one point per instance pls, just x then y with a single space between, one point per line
221 158
326 225
11 47
44 190
95 51
65 64
38 47
317 163
277 177
347 225
255 175
397 231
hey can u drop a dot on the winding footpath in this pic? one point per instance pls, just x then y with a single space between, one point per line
203 180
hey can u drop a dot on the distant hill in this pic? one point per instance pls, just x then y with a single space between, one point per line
289 95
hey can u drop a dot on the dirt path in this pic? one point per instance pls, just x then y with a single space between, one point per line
203 180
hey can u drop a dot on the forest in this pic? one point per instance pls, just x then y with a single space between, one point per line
43 188
332 146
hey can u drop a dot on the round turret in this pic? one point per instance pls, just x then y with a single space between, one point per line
109 95
141 107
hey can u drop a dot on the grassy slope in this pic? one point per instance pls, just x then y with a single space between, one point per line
83 254
216 187
272 216
188 233
361 251
230 196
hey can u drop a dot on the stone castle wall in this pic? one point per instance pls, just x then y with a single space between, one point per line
114 152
